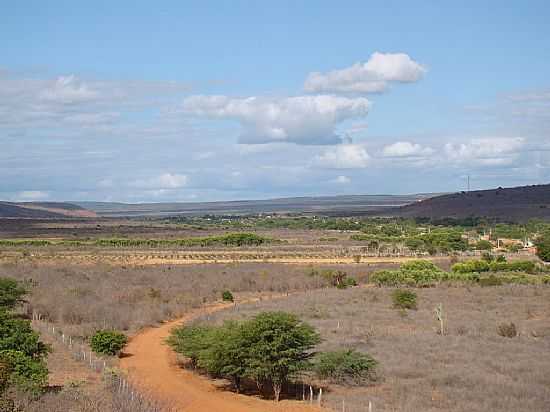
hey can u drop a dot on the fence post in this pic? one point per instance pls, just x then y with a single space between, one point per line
370 406
310 394
319 399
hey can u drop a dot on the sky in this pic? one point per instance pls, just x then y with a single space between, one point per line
137 101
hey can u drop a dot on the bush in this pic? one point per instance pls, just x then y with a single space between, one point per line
227 296
543 246
345 367
108 342
514 266
268 349
507 330
490 280
404 299
22 354
11 293
471 266
484 245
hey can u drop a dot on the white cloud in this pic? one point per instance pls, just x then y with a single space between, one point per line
69 90
406 149
300 119
495 151
164 181
373 76
346 156
341 180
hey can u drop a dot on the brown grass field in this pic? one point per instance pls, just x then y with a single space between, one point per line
470 368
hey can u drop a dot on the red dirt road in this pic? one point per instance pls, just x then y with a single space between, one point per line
152 365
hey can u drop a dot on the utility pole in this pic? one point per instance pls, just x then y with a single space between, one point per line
468 183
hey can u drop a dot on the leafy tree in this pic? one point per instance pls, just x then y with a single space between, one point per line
279 346
11 293
543 246
345 367
190 341
22 355
108 342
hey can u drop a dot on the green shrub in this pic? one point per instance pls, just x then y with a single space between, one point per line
11 293
227 296
514 266
404 299
507 330
269 349
108 342
345 367
471 266
490 280
543 246
484 245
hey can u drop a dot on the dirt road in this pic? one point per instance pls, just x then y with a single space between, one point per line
152 365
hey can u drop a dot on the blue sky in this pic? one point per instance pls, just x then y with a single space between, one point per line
181 101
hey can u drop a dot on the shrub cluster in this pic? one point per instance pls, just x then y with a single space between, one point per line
418 273
227 296
336 278
268 349
345 367
22 354
108 342
230 239
479 266
404 299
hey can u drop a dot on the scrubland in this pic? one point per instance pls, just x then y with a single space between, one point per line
468 368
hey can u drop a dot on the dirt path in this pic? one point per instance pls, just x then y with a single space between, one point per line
152 365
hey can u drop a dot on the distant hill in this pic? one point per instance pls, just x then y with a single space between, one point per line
43 210
323 205
513 204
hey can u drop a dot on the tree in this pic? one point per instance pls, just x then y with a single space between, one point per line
484 245
190 341
278 346
22 355
543 246
11 293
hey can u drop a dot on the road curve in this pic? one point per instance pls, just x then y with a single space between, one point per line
152 366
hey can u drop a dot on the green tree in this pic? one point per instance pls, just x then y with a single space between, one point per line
543 246
279 346
190 341
11 293
22 355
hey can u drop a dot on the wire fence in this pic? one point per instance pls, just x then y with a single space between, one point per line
126 396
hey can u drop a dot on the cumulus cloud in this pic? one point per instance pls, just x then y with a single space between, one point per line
406 149
373 76
495 151
346 156
164 181
299 119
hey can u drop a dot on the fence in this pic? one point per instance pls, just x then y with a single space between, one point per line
126 396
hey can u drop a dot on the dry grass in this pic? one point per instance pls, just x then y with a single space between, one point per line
470 368
84 298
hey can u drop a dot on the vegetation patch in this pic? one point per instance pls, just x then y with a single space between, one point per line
404 299
348 367
108 342
269 349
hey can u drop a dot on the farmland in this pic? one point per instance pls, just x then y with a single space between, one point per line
336 274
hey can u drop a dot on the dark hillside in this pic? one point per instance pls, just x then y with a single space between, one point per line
513 204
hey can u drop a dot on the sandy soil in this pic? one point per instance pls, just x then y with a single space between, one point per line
153 366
